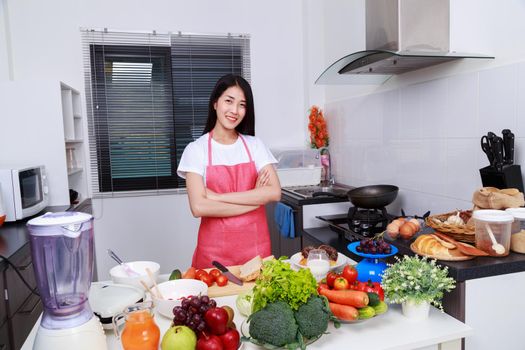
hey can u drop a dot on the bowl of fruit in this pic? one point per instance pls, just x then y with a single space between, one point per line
372 250
173 292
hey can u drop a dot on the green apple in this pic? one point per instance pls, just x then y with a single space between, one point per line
179 338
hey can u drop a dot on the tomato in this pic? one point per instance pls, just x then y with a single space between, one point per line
221 280
355 285
322 286
215 273
199 273
341 283
350 273
330 278
373 287
206 278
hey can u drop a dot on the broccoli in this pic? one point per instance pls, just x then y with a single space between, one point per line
312 317
275 324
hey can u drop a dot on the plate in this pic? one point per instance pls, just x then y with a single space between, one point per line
352 247
245 332
297 257
446 258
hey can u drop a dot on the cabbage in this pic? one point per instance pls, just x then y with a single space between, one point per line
244 303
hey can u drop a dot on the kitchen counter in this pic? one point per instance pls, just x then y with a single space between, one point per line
390 331
478 267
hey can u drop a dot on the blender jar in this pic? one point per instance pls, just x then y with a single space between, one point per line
62 251
519 219
493 231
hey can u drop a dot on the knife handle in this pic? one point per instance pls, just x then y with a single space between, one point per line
220 266
508 144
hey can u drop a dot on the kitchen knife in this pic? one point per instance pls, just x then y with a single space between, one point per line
508 145
498 153
227 273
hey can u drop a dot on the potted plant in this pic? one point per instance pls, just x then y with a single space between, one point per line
415 283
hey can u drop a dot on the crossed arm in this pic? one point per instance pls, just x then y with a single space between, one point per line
204 202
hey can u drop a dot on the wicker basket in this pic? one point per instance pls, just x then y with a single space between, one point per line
464 233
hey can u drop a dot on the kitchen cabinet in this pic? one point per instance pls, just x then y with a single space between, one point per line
73 124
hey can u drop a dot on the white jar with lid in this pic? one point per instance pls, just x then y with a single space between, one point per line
493 231
519 219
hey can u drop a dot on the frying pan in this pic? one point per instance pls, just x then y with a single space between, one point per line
373 197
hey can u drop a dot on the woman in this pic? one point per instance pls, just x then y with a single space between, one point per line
229 177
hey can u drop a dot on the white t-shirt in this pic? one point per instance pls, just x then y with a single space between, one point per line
195 156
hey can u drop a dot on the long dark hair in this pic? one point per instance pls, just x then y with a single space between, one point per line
247 126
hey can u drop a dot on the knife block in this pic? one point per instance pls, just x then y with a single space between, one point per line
508 177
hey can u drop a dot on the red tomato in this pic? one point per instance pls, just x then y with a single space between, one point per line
206 278
341 283
199 273
350 273
354 285
215 273
322 286
221 280
330 278
373 287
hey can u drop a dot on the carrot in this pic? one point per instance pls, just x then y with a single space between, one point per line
346 297
344 312
190 273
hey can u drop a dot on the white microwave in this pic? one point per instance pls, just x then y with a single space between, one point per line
24 191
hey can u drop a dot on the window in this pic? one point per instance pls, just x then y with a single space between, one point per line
147 98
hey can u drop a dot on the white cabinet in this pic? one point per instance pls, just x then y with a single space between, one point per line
74 139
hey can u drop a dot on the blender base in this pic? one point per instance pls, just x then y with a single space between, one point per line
88 336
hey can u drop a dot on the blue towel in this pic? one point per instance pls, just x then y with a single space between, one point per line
285 221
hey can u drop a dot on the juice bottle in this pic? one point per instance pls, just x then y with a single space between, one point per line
140 330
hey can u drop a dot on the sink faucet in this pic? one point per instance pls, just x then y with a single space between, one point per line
328 179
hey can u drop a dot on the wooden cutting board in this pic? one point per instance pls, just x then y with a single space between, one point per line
458 256
230 288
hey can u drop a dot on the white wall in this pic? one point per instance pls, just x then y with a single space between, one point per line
421 130
49 31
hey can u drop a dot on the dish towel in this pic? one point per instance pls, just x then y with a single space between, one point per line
285 221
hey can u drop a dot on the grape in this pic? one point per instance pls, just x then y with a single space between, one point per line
201 326
203 309
196 318
359 248
185 303
193 309
178 323
192 325
205 299
212 303
195 302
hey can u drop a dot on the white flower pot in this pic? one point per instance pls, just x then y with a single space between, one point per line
416 312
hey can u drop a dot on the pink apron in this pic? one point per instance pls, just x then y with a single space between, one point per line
236 239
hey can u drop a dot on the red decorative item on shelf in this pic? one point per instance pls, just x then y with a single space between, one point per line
317 126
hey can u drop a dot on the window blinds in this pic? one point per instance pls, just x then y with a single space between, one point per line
147 98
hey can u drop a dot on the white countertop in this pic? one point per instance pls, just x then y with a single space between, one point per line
389 331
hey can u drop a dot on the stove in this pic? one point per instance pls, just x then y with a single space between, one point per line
358 223
317 191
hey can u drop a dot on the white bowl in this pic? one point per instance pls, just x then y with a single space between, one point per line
297 257
174 290
119 275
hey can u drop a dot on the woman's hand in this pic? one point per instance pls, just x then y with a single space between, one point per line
263 178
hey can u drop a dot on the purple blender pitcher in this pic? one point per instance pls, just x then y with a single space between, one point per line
62 250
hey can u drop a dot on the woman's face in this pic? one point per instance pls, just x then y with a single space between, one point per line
230 107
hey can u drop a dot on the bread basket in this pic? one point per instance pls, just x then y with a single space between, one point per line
464 233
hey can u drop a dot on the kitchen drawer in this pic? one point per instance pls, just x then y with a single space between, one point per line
24 320
4 337
18 291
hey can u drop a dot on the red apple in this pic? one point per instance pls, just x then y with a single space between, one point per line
217 320
209 342
230 339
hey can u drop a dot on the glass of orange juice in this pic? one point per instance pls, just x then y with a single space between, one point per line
140 330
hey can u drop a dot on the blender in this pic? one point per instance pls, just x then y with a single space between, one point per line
62 251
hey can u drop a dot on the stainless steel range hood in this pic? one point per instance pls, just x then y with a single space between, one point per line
401 36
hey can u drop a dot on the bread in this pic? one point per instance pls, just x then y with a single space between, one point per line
251 269
517 242
428 244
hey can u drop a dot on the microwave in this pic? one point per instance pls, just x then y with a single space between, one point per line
24 191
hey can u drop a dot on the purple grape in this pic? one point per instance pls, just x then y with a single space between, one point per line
193 309
201 326
196 318
185 303
212 303
203 309
205 299
178 323
195 302
192 325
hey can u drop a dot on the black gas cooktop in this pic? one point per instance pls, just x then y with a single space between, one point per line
364 226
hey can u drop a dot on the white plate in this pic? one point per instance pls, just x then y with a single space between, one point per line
297 257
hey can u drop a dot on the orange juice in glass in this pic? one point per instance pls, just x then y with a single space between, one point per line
140 330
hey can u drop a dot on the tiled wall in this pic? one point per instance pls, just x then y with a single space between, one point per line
425 138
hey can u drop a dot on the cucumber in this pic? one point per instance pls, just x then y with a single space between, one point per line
175 275
373 299
380 308
366 312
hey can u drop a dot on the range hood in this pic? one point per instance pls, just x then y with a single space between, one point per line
401 36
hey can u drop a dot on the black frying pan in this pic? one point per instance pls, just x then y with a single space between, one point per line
373 197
